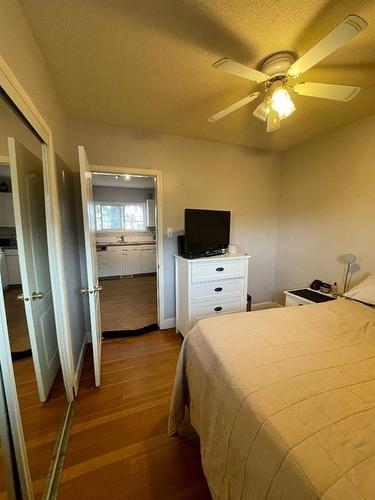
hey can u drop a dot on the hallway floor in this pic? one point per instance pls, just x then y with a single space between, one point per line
119 447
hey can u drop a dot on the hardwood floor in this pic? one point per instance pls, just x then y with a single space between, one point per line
16 319
119 447
41 421
128 303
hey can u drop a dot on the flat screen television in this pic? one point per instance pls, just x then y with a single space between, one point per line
206 232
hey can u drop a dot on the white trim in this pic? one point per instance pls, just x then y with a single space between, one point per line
265 305
159 225
167 323
77 375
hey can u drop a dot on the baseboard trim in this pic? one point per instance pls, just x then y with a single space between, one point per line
265 305
167 323
78 372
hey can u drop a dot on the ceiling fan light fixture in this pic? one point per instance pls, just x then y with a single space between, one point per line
282 102
261 111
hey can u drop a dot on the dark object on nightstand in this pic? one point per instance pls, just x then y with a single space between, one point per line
305 293
320 285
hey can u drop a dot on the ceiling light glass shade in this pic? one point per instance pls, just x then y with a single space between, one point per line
261 111
282 103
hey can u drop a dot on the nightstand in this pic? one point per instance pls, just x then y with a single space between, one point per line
303 296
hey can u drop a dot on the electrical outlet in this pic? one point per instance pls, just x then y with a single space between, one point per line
169 232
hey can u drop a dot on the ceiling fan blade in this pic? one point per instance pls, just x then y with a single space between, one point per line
273 120
238 69
233 107
326 91
345 31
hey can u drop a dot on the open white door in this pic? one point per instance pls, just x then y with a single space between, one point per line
93 288
29 210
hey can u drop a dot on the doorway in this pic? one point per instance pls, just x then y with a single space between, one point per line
132 227
125 237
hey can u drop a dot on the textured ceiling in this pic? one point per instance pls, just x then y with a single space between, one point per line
135 182
146 64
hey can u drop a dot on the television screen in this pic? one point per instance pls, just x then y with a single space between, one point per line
206 231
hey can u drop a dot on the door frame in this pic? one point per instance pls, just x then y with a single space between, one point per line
17 95
115 169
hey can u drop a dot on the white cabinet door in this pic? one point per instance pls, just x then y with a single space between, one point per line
148 260
6 210
116 261
132 260
103 264
13 267
4 270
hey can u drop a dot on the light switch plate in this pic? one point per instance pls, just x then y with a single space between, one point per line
169 232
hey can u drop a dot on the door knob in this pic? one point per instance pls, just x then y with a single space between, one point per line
98 288
37 295
22 297
84 290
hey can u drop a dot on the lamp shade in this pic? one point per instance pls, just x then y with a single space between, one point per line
349 258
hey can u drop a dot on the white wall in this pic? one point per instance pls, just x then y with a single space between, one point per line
327 207
200 174
20 50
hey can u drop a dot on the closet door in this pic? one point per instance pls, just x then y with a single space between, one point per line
93 288
29 210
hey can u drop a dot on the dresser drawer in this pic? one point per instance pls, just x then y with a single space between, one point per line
203 271
213 308
217 290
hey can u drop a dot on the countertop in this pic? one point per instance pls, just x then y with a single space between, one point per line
127 244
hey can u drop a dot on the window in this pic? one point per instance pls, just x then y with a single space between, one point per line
120 216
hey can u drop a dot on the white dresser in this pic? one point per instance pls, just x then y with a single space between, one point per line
209 286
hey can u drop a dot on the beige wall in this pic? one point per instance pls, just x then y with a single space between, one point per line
200 174
21 52
327 207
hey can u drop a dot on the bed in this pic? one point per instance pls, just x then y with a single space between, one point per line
283 401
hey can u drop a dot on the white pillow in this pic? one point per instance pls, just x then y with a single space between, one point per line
364 291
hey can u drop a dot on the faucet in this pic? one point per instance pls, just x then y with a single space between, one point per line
121 238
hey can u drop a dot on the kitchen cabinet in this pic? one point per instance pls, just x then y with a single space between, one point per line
116 265
6 210
148 260
13 267
125 260
132 260
3 270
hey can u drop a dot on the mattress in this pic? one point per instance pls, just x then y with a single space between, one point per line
283 401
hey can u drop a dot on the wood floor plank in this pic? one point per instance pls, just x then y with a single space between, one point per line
119 447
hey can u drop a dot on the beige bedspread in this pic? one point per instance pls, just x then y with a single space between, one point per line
283 401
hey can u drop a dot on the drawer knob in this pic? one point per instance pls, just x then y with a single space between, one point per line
218 308
218 289
219 269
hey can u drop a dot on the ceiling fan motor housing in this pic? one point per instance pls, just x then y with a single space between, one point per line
278 64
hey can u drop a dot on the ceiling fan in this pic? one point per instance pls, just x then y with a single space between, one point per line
278 69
